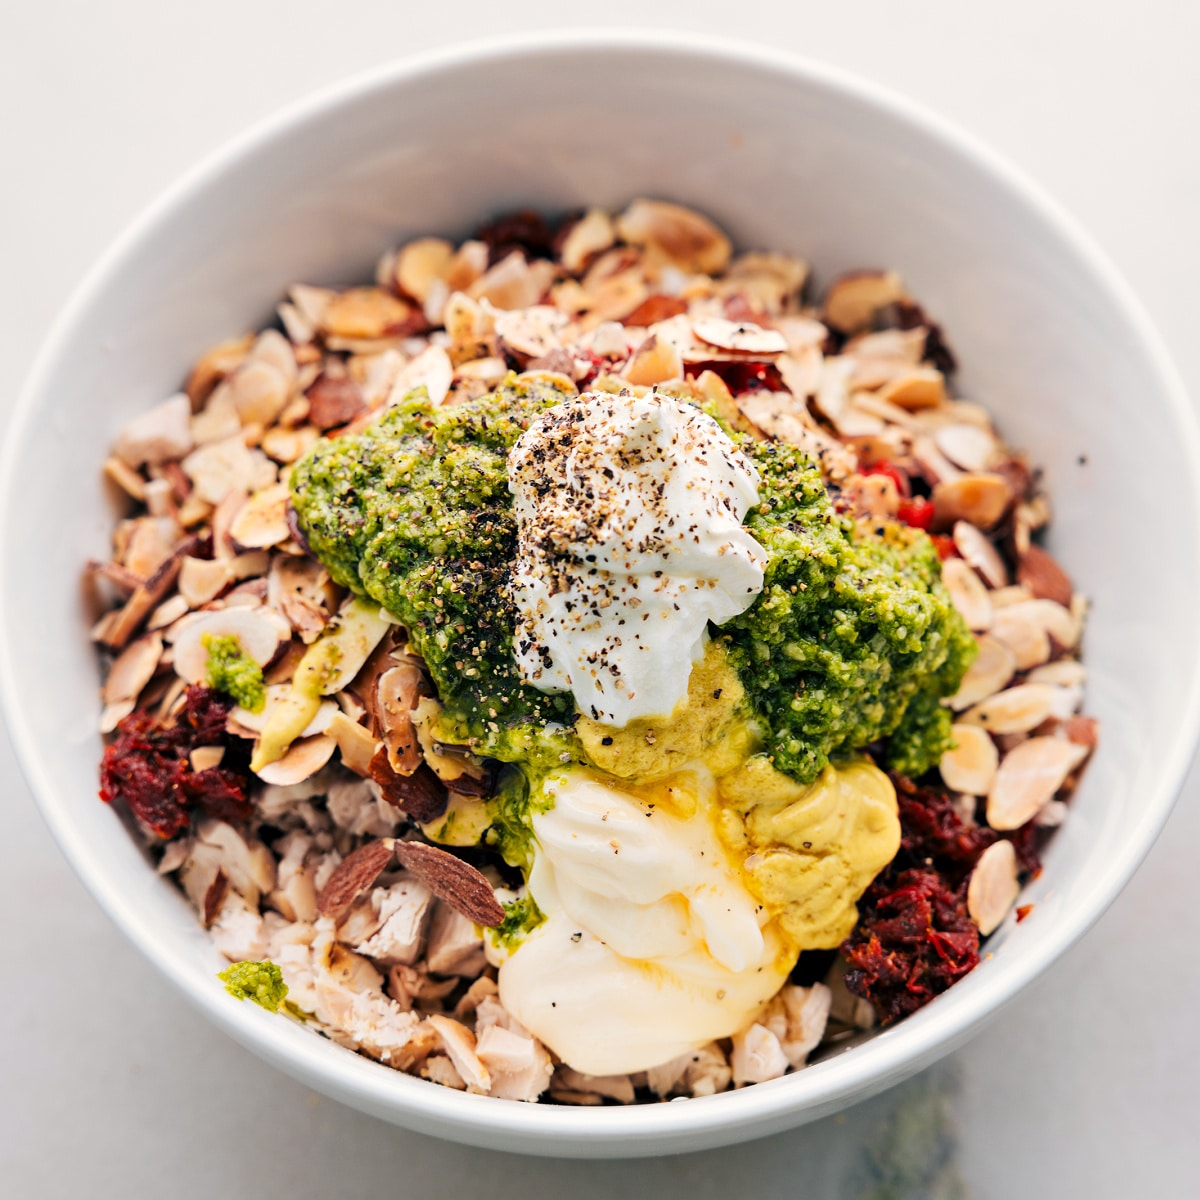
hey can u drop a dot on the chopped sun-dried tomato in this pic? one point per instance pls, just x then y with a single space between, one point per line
914 937
743 377
147 766
944 545
917 512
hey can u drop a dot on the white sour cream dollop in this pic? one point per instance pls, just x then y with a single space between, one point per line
651 944
630 541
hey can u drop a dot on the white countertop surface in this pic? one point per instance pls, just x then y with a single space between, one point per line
1086 1086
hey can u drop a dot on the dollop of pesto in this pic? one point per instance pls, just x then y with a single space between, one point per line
853 630
521 917
261 982
233 672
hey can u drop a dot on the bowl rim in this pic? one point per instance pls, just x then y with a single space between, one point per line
731 1115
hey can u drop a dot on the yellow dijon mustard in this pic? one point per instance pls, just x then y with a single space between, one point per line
807 852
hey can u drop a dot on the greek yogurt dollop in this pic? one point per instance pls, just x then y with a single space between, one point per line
630 541
651 943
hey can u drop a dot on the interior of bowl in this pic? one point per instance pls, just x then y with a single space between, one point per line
785 157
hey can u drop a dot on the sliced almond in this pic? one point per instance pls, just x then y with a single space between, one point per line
653 362
739 337
203 579
513 282
288 445
263 520
1015 710
690 241
1028 778
133 669
222 467
1020 630
259 391
1065 673
419 264
459 1044
217 362
302 761
966 446
431 369
162 433
259 632
531 332
916 389
167 613
853 299
356 744
1056 622
592 234
993 887
367 313
120 626
967 593
978 498
970 766
993 667
398 691
977 548
254 722
205 758
303 592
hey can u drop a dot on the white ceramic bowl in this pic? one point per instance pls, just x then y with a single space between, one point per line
785 155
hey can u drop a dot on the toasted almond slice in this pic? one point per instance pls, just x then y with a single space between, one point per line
259 631
334 400
419 264
355 742
853 299
934 465
125 477
978 498
303 592
1057 622
167 613
204 758
302 761
967 593
288 445
692 242
531 332
431 369
970 766
365 314
298 327
513 282
119 627
217 362
916 389
133 669
398 691
993 667
203 579
1028 778
802 370
653 362
162 433
1015 710
1065 673
993 887
1022 632
592 234
259 391
739 337
966 446
833 390
614 298
219 468
313 302
262 521
977 548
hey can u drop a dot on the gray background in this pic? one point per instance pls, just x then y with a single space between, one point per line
1085 1086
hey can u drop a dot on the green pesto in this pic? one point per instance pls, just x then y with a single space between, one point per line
519 796
854 638
853 629
521 918
415 512
232 672
261 982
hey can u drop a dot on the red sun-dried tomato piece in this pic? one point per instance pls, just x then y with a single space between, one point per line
917 512
897 476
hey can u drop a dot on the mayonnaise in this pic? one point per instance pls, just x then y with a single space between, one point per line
630 541
651 944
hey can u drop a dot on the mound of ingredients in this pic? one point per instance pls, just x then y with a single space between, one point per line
579 668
